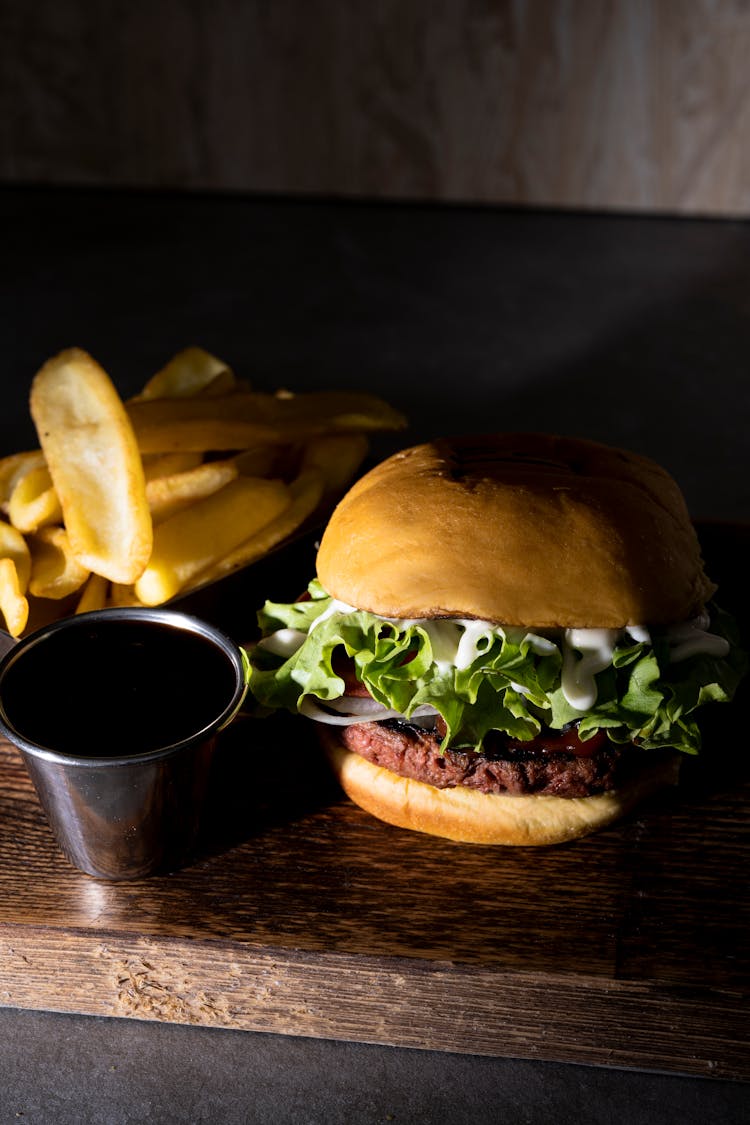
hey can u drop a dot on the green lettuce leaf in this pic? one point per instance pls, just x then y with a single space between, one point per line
510 684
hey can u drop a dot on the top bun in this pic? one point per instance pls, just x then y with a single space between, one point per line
518 529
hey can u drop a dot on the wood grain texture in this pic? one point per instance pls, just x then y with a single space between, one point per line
302 915
614 104
438 1006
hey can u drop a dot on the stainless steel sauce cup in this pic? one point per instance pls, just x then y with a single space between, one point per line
116 715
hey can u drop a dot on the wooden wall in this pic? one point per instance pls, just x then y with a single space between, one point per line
635 104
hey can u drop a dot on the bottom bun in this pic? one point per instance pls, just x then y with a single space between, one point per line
470 817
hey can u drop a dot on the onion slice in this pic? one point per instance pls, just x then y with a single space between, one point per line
354 709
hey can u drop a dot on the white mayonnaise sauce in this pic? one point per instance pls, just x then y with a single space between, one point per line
473 633
334 607
585 652
588 651
457 642
445 637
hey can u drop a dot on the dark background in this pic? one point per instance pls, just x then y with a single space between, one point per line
631 330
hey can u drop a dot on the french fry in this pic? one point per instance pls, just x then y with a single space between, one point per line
122 595
166 495
95 465
94 594
34 502
15 568
164 464
13 468
336 456
268 461
192 371
55 569
222 384
306 493
14 607
133 503
247 418
197 537
13 546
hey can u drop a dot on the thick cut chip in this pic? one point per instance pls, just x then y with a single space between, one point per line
198 536
222 384
13 605
268 460
55 569
94 595
166 495
15 568
122 595
13 469
306 493
157 465
193 371
193 478
95 465
34 502
249 418
13 546
337 457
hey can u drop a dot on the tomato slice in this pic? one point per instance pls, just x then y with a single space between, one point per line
564 742
549 742
343 666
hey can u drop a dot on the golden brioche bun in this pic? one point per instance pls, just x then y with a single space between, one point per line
519 529
471 817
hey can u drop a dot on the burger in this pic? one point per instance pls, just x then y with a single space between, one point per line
507 640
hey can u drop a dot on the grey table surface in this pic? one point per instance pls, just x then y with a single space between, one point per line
633 330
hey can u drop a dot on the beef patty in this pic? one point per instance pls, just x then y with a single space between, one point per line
414 752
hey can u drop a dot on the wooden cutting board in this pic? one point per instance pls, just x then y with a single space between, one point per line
304 916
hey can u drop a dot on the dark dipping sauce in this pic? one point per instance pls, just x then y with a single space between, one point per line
116 688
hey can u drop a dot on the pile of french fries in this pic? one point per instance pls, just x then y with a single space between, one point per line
134 502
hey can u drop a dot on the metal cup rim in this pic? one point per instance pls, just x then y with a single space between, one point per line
176 619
